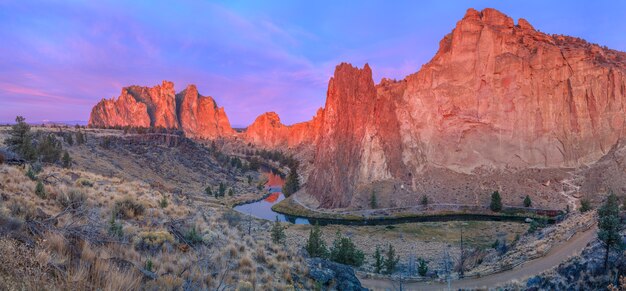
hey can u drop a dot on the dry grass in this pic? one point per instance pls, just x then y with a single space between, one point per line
226 256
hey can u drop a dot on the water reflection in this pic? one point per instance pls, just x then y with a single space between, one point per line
263 208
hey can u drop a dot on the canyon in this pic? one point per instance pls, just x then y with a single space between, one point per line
497 97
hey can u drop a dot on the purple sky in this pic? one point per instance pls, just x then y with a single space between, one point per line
58 58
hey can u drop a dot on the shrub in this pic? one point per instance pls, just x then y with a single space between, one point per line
527 201
585 205
84 183
115 228
31 174
49 149
496 202
149 265
128 208
231 192
345 252
232 217
209 191
72 199
67 160
192 236
424 201
163 202
222 189
40 190
153 240
533 226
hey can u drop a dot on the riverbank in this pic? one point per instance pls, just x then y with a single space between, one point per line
435 212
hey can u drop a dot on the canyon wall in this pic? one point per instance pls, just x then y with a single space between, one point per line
495 96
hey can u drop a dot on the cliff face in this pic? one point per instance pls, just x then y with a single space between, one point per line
268 131
198 116
495 96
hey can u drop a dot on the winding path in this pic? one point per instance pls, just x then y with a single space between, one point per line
555 256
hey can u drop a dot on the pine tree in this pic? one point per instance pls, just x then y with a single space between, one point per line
209 191
496 202
527 201
422 267
67 160
378 260
222 189
373 200
315 245
391 260
278 233
231 192
20 139
345 252
609 226
292 184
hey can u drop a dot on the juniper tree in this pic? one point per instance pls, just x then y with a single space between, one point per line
20 139
292 184
527 201
278 233
422 267
609 226
496 202
378 260
373 200
345 252
391 260
67 160
315 245
40 190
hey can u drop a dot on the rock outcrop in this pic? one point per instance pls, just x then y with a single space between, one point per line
198 116
496 96
268 131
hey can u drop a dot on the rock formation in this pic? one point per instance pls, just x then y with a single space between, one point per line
495 96
198 116
268 131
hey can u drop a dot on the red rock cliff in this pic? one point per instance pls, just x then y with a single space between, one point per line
268 131
198 116
496 95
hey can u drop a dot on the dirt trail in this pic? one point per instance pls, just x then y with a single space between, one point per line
557 254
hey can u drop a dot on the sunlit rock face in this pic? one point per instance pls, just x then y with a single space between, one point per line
495 96
198 116
267 131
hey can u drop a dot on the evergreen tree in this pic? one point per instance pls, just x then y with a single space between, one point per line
378 260
209 191
67 160
40 190
373 201
527 201
585 205
231 192
345 252
80 138
609 226
49 149
222 189
278 233
496 202
391 260
422 267
20 139
292 184
424 201
315 245
69 139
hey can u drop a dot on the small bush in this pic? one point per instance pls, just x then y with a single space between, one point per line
163 203
192 236
84 183
153 240
422 267
232 217
149 265
585 205
128 208
115 228
424 201
527 201
40 190
67 160
73 199
231 192
31 174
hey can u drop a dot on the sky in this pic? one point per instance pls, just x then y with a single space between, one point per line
59 58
